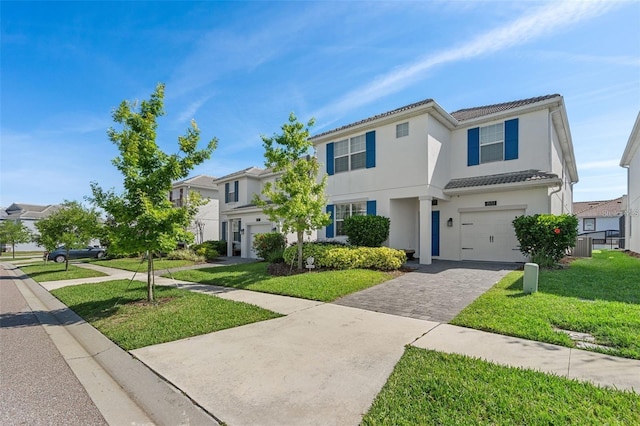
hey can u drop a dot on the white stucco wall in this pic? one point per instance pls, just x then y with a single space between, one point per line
533 147
633 205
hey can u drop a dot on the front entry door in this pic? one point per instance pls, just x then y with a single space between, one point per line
435 233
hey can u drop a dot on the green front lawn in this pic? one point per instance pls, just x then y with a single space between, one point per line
119 310
55 272
324 286
432 388
137 264
599 296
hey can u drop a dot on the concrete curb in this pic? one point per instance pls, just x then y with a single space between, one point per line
162 402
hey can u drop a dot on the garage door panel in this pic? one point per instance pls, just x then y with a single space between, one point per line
490 236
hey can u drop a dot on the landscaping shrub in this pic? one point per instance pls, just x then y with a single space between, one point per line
268 245
211 249
367 231
347 257
545 238
185 254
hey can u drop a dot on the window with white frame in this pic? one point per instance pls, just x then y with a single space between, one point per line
344 211
402 129
350 154
237 237
492 143
232 193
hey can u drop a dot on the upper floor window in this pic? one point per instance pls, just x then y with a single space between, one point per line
231 192
492 143
358 152
496 142
402 129
350 154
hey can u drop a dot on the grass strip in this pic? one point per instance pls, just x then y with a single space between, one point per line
324 286
136 264
56 272
433 388
599 296
119 310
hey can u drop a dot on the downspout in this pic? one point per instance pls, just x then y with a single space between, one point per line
550 123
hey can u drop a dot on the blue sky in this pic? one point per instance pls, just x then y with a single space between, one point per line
240 68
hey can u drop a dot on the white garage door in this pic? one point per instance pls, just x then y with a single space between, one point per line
253 231
490 236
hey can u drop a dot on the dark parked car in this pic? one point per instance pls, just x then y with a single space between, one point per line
60 254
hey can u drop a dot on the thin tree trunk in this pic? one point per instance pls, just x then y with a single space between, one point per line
300 240
149 276
13 250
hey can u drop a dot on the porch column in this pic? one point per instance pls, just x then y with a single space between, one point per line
425 230
229 238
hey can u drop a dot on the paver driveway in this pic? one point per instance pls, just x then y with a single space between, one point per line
436 292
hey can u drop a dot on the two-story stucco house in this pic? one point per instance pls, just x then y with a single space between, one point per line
205 224
451 183
28 215
631 160
240 219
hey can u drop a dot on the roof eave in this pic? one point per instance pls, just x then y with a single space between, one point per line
632 144
504 187
431 106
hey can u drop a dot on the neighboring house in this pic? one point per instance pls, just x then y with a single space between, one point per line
240 219
451 183
601 220
28 214
631 160
205 225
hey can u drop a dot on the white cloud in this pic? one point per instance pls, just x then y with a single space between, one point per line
544 21
603 164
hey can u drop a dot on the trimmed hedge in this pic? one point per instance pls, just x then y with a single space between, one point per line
269 245
210 250
367 231
348 257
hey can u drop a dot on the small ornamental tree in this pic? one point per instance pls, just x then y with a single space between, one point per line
545 238
366 231
142 219
72 226
296 199
14 232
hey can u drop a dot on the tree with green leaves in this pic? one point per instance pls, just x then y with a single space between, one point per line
296 199
143 218
72 226
14 232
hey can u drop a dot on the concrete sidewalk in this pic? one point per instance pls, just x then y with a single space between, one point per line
325 363
123 389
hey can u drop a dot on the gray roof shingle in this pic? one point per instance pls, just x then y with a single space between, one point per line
500 179
375 117
469 113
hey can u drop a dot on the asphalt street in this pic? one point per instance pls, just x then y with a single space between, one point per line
37 386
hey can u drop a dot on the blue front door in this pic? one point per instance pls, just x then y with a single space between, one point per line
435 233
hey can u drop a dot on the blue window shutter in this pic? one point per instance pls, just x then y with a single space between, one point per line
371 149
371 207
235 190
226 192
331 211
511 139
223 237
473 146
330 158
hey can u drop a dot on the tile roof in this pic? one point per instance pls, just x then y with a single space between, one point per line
500 179
375 117
469 113
598 208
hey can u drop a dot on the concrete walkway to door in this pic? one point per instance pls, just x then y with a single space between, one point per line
436 292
